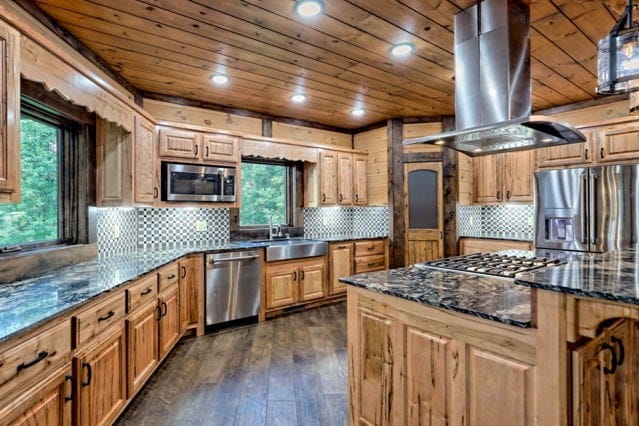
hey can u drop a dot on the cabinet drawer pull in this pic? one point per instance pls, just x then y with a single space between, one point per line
166 309
370 248
207 151
69 378
302 275
170 277
499 195
586 154
294 276
323 198
371 264
197 149
342 247
89 373
183 272
613 353
508 195
356 198
41 356
602 152
155 192
147 291
106 317
340 198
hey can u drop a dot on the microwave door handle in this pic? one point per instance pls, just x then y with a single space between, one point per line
583 219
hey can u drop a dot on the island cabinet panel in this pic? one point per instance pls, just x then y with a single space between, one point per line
605 390
499 390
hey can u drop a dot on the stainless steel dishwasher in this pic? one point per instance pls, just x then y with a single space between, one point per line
232 286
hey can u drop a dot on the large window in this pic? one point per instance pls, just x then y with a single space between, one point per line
265 194
35 218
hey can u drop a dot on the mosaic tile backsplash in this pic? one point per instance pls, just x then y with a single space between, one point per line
508 220
124 230
361 221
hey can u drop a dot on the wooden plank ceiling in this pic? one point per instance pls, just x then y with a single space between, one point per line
339 59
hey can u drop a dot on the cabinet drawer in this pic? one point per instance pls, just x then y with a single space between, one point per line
96 318
41 354
167 276
370 263
144 290
367 248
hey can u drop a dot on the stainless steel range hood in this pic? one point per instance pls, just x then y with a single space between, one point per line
492 85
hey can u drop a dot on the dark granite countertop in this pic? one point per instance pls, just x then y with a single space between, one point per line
610 276
29 303
483 296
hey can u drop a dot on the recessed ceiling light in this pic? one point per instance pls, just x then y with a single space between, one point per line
402 49
219 79
298 98
358 112
308 8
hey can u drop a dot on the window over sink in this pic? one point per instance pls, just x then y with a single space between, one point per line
266 193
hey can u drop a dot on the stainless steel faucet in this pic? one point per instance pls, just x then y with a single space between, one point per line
278 228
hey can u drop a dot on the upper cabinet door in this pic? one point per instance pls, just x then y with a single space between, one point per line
360 190
518 172
145 185
179 143
568 155
219 147
9 115
618 143
488 178
328 178
344 178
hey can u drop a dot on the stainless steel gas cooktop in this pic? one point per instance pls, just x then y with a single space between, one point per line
502 265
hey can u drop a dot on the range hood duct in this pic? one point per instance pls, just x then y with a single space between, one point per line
492 85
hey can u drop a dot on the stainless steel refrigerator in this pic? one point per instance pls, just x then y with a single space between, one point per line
592 209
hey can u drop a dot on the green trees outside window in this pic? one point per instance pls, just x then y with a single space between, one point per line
264 193
35 218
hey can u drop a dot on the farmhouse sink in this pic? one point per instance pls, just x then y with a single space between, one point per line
294 249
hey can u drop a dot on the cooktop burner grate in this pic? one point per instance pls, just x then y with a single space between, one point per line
502 265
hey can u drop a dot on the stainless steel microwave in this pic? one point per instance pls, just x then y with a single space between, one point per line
197 183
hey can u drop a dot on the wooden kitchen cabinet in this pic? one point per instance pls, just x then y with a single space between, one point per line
178 143
604 377
328 178
169 322
220 147
191 291
48 402
198 146
340 260
100 371
142 345
487 245
344 178
9 115
618 143
289 283
568 155
504 177
360 180
146 177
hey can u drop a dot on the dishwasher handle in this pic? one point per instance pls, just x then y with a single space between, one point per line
233 259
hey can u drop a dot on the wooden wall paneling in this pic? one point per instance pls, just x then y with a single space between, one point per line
307 134
164 111
395 172
465 180
375 142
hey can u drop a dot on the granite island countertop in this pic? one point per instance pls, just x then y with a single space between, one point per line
493 298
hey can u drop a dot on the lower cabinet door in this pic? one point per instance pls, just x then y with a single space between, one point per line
341 265
46 403
312 278
170 319
100 372
281 283
142 345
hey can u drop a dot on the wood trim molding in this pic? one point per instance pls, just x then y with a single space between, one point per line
450 181
421 157
267 128
584 104
177 100
30 7
395 132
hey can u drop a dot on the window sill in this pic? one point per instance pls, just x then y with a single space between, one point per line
22 265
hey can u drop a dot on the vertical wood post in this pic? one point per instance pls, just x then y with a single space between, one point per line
267 128
395 133
450 182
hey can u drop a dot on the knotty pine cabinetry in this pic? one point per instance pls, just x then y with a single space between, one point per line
486 245
290 283
503 177
342 179
9 115
198 146
568 155
354 257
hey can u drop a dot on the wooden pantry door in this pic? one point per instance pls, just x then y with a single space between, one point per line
423 212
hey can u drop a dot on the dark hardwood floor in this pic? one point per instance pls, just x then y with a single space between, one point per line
288 371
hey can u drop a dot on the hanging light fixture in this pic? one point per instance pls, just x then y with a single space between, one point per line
618 57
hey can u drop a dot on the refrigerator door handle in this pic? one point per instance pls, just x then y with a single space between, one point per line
584 208
593 209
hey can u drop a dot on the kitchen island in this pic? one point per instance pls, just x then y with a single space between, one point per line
553 347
